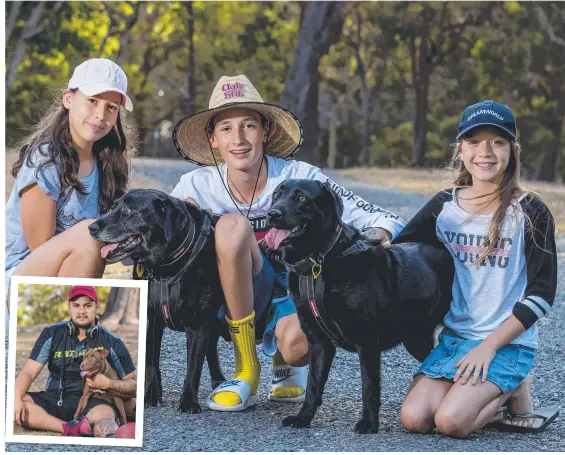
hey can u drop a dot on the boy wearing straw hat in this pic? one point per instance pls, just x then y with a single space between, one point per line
246 145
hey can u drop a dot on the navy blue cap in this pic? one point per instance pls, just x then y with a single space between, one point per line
488 113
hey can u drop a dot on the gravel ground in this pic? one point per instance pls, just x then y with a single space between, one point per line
259 429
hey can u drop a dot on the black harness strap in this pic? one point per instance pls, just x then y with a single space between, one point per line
313 291
167 291
311 288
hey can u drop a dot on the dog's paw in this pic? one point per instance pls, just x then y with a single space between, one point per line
364 426
191 407
152 400
295 422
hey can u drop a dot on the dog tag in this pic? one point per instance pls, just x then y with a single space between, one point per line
316 270
139 269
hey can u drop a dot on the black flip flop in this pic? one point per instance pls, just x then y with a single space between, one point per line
548 415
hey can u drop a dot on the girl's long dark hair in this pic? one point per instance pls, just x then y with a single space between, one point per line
112 154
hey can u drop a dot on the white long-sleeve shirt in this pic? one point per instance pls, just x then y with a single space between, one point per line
205 186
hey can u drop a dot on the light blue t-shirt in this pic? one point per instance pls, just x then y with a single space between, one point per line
72 206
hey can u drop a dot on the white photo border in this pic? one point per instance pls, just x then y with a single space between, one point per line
138 440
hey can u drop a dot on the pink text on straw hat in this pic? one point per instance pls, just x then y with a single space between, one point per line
237 89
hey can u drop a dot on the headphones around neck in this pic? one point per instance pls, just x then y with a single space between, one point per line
91 332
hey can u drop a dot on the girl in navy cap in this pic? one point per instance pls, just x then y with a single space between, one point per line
70 169
501 237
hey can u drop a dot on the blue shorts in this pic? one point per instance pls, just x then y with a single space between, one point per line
270 294
508 369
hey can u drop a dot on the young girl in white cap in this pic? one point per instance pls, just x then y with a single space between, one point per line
502 239
70 169
245 142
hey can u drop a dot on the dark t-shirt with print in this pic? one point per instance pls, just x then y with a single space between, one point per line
57 348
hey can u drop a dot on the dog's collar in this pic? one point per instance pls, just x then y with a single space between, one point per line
189 240
166 291
312 265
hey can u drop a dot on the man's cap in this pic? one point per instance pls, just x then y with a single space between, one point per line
88 291
488 113
99 75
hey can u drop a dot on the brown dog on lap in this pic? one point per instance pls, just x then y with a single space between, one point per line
94 363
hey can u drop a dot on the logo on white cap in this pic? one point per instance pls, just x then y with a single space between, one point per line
114 73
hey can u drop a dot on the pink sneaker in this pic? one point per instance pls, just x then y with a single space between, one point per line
80 427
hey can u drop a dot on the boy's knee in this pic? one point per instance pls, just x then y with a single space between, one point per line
450 424
415 420
294 348
231 232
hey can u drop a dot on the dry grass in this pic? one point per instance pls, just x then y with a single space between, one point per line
429 181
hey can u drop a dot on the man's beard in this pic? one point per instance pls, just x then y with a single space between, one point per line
84 325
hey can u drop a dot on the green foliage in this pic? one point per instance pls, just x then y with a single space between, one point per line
48 304
511 58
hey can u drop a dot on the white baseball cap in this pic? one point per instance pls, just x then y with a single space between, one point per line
99 75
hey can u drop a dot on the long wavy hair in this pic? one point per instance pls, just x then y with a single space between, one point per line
51 137
502 198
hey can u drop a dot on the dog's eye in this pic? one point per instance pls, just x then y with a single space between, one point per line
301 198
126 210
276 195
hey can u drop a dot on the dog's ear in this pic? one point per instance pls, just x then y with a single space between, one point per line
170 218
336 199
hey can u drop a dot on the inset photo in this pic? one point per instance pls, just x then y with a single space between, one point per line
76 361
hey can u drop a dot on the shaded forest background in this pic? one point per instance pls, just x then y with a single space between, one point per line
374 83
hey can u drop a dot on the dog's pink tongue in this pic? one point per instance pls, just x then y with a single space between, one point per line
83 373
275 236
105 250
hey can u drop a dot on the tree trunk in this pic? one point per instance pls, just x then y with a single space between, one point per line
31 28
30 24
122 307
321 27
366 138
191 103
547 168
420 144
141 129
421 81
332 147
14 13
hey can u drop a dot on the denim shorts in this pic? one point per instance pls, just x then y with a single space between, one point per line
507 370
270 295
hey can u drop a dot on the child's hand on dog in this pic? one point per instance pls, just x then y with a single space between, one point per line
382 235
477 359
99 382
196 204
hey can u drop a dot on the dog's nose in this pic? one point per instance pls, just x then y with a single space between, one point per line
274 215
93 228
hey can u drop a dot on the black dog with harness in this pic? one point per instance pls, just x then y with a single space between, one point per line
172 244
352 293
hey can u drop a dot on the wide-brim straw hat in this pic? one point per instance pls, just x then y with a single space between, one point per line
190 135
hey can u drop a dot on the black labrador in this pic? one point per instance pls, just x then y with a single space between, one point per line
172 244
352 293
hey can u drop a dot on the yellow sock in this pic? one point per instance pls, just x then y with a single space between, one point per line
247 366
